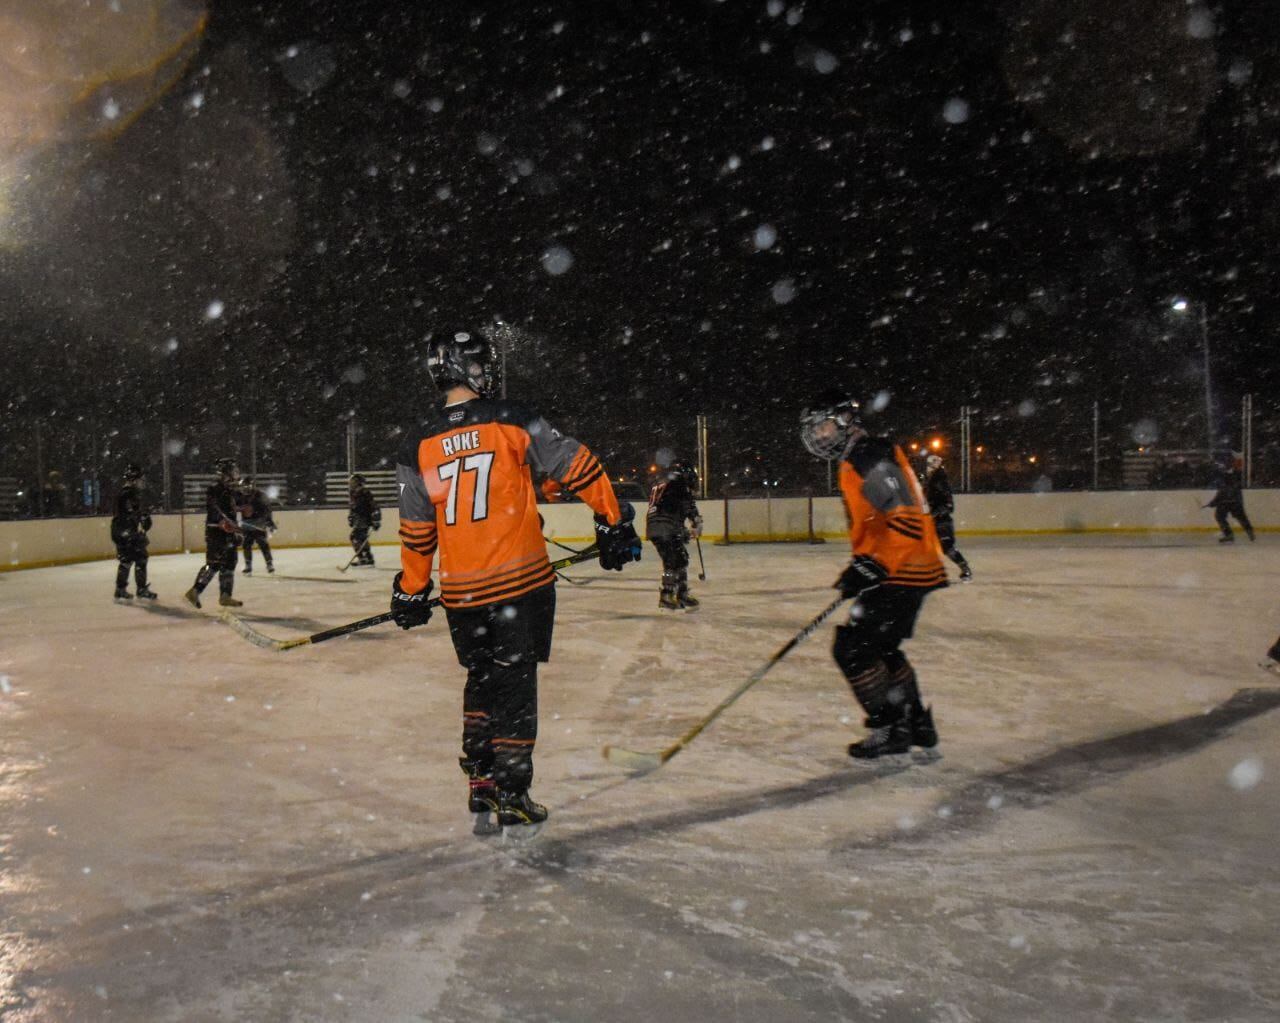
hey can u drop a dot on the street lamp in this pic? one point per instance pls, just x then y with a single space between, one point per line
1180 305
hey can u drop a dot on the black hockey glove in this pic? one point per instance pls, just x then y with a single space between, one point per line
146 523
377 519
410 609
619 543
863 573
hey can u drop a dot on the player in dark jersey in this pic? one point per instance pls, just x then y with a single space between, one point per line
220 536
942 506
671 506
896 564
466 492
363 515
129 526
1229 500
257 523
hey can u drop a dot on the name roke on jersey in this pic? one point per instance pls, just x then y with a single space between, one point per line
467 440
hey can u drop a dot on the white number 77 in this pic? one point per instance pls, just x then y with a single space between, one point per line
479 463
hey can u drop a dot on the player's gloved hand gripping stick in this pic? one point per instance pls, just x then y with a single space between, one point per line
618 543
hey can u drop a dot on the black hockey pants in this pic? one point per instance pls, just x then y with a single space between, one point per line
219 559
131 549
867 651
500 645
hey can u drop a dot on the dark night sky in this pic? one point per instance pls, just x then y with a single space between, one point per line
977 203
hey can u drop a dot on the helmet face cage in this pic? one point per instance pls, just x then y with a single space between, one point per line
825 432
227 470
132 473
933 462
682 469
466 360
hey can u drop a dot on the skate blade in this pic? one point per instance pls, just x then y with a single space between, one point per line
519 833
1271 667
630 760
485 824
930 755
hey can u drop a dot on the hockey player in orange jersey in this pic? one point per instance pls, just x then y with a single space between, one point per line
896 563
467 493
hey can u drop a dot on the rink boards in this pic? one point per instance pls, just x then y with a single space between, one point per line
37 543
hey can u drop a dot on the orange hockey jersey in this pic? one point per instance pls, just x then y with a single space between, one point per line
887 515
466 490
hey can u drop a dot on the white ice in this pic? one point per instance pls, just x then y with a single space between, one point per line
193 828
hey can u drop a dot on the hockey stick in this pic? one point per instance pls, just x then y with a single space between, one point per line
642 763
573 582
702 565
566 547
267 643
257 638
354 556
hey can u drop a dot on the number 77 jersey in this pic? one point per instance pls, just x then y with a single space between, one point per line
466 490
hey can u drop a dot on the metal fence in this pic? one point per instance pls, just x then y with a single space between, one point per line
75 470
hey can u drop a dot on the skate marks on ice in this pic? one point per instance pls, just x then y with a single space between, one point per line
366 902
1074 769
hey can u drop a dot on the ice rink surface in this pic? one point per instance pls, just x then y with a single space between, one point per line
195 829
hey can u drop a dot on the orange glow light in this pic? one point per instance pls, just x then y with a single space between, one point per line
936 443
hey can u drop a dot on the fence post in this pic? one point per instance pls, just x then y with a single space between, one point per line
253 450
164 466
1246 440
813 537
37 492
1096 420
726 539
704 456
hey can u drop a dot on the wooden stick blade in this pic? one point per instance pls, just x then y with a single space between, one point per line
630 760
255 637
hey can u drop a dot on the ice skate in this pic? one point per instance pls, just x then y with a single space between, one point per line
482 801
123 594
883 741
687 601
923 732
192 597
247 571
271 568
1228 538
518 815
1251 535
226 600
668 601
1270 665
966 574
145 592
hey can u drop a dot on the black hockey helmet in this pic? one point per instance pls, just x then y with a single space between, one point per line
463 359
356 481
132 473
683 469
828 423
227 470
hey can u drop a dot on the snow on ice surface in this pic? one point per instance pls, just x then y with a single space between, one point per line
195 828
